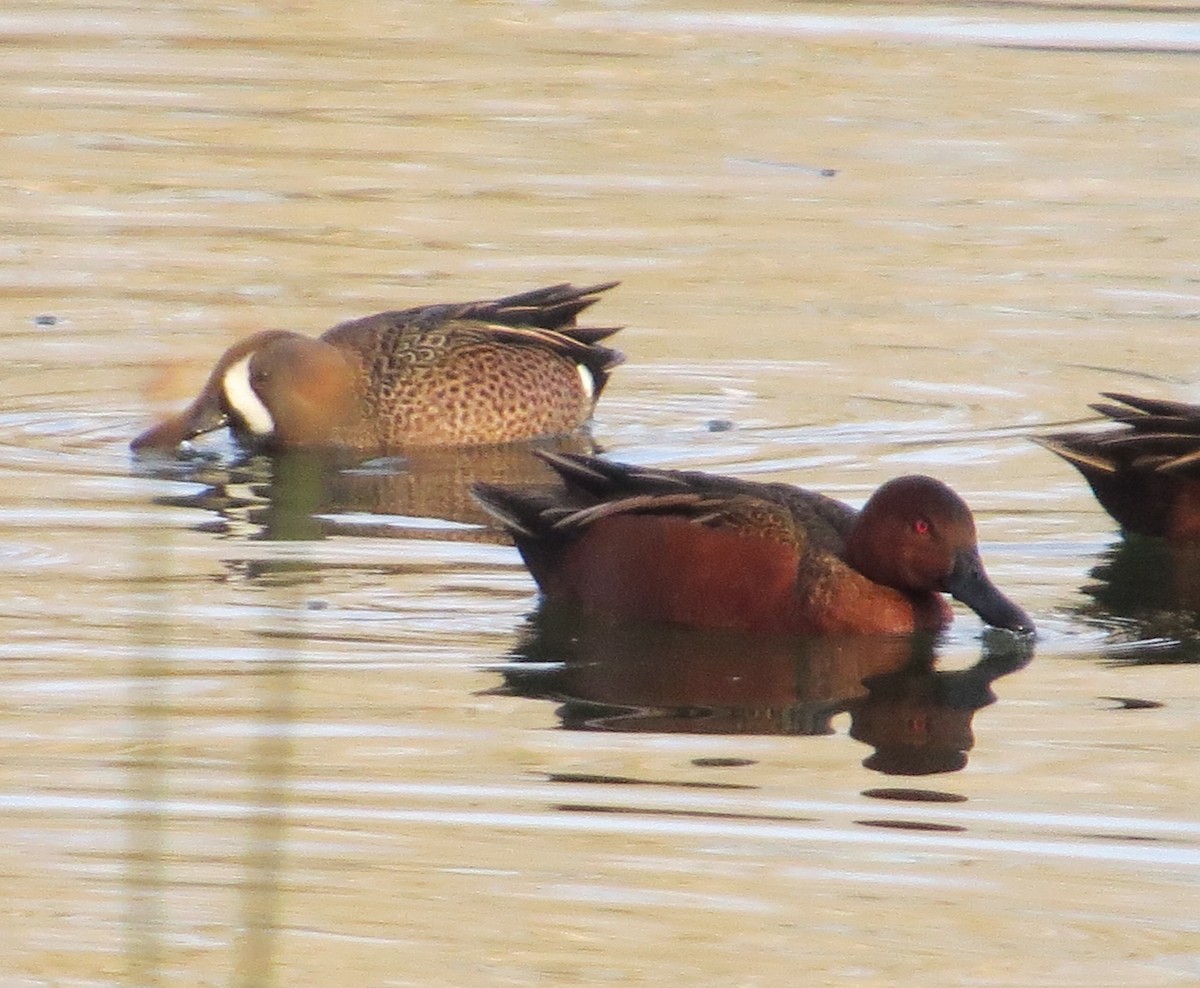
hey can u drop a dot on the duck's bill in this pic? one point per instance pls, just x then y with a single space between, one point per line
968 582
201 416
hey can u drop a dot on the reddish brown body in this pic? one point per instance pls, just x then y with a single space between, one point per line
716 552
669 569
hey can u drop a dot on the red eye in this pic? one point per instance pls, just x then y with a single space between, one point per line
921 526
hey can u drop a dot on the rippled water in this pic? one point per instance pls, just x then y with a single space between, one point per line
286 723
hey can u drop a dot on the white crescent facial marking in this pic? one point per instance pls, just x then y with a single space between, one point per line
244 400
588 380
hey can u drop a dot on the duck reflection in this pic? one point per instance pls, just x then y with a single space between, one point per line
1146 594
919 719
310 494
619 676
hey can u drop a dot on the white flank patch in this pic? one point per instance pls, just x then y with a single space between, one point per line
588 380
244 400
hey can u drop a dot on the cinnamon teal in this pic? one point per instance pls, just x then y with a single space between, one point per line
474 373
718 552
1146 473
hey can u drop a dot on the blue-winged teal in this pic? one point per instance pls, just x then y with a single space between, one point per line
481 372
718 552
1146 473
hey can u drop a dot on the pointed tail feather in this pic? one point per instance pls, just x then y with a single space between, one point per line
518 512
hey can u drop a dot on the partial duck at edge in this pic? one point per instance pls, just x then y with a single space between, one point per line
1146 471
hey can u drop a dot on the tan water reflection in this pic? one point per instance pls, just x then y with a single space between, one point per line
312 494
249 740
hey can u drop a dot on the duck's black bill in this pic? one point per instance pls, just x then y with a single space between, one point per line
969 583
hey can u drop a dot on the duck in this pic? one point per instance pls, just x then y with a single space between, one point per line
461 374
719 552
1145 472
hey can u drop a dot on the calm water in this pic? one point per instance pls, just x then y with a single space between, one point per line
285 725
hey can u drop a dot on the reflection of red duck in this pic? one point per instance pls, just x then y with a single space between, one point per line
1146 592
622 663
919 719
625 676
666 678
717 552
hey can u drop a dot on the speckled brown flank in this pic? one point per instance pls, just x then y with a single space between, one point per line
475 373
466 386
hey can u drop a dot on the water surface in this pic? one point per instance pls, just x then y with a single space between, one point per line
268 725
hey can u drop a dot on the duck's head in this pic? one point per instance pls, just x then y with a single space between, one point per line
917 536
274 389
